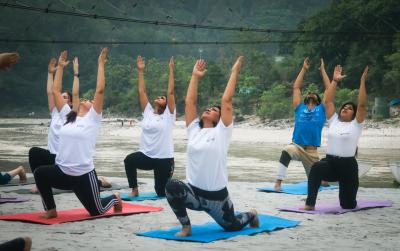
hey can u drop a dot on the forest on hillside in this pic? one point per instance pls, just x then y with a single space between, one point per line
274 36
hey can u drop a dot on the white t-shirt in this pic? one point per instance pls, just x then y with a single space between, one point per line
78 144
207 152
343 137
156 139
57 121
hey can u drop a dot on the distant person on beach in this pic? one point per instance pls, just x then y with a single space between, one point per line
8 59
344 132
156 150
39 156
309 117
207 149
5 178
74 168
18 244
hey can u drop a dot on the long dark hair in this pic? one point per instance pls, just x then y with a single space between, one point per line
71 117
201 123
353 105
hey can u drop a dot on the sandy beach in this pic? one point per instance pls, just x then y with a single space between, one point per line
252 162
374 229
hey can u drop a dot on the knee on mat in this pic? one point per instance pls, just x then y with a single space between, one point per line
232 227
347 205
94 213
160 191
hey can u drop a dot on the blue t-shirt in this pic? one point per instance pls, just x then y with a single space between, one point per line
308 125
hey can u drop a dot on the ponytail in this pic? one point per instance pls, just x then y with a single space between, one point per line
71 117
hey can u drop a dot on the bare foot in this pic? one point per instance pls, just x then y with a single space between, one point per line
34 190
22 175
255 223
277 185
104 182
135 192
186 231
308 208
28 243
118 205
324 183
50 214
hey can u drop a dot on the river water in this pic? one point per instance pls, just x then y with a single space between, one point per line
253 155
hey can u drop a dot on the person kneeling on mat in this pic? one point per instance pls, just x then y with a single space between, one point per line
207 150
344 132
309 120
156 150
74 167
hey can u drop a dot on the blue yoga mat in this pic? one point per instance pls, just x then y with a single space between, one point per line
141 197
298 188
212 231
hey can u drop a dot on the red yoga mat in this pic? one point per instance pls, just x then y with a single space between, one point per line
78 214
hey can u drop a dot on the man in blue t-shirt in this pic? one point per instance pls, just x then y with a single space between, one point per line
309 120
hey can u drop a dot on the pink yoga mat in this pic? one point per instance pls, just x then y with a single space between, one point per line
335 208
78 214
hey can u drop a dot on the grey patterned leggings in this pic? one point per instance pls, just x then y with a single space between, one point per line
216 203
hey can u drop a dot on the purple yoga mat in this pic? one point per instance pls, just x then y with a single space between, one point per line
11 200
334 208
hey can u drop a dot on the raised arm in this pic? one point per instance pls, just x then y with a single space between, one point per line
75 85
101 82
325 78
62 62
298 82
141 86
362 98
171 83
226 101
8 59
51 69
331 91
199 70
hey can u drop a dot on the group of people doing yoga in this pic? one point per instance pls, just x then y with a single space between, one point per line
68 162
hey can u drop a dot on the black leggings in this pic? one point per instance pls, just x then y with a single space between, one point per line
40 157
333 168
163 170
85 187
216 203
17 244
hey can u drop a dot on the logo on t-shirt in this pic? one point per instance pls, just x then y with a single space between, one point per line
210 139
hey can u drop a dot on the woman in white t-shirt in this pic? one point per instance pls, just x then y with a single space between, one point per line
156 150
207 150
39 156
74 169
344 132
